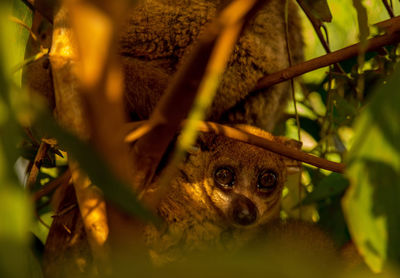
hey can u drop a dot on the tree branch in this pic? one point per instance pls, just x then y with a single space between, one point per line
392 36
248 138
270 145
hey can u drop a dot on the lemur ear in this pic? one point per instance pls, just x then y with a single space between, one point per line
291 142
292 166
202 143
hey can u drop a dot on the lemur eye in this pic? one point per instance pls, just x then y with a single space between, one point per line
267 181
224 177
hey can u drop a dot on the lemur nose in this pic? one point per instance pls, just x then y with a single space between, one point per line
244 212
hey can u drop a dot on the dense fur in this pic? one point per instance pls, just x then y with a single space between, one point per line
198 213
161 33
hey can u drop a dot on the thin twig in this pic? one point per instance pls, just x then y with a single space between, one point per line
315 24
51 186
270 145
393 36
317 28
37 163
289 54
29 133
388 8
44 53
41 220
23 25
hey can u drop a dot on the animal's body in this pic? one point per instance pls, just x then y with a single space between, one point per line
160 34
198 211
228 190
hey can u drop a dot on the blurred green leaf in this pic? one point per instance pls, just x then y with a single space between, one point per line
372 203
20 36
16 260
332 185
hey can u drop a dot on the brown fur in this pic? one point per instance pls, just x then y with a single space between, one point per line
198 213
160 34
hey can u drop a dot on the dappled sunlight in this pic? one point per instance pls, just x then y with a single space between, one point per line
158 138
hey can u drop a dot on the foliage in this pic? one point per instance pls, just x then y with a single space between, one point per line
373 169
354 109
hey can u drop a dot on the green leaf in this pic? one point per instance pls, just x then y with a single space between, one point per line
331 219
16 260
320 9
372 203
332 185
39 230
15 217
20 36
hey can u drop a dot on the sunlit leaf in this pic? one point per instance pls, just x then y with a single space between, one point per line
20 35
39 230
332 185
15 257
371 204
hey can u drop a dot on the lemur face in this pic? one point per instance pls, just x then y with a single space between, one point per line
243 183
246 193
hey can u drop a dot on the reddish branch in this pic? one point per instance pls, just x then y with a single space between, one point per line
271 146
248 138
392 36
